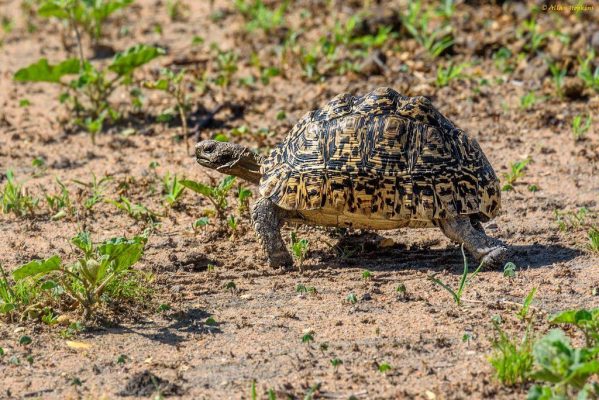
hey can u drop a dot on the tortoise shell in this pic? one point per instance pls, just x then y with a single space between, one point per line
382 160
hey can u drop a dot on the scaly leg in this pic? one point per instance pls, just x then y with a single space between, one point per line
267 221
485 249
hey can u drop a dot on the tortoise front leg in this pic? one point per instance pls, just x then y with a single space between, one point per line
267 220
485 249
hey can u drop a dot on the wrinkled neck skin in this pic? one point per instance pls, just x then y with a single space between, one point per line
247 166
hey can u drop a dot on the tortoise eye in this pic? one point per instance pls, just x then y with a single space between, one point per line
210 148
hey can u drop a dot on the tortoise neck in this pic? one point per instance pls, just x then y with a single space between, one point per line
246 167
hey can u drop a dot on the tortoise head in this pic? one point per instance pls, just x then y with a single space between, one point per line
230 159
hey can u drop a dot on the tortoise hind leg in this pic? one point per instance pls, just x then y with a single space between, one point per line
267 220
485 249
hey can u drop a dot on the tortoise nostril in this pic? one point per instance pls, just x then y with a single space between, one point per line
209 149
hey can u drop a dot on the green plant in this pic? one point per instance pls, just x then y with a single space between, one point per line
416 21
586 72
96 190
523 313
558 74
530 32
15 297
509 270
451 72
308 337
299 248
226 62
172 83
366 275
172 189
89 15
60 204
464 281
176 10
594 239
512 358
502 60
233 224
86 280
384 367
516 171
528 100
259 16
580 128
216 194
15 199
585 320
567 220
352 298
87 96
243 198
201 222
136 211
564 369
335 362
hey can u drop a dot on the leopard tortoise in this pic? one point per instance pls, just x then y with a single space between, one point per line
380 161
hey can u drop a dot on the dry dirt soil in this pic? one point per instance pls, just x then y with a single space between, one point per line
260 324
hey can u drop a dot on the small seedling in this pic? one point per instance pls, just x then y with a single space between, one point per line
200 223
509 270
1 352
335 362
466 337
259 16
516 172
528 100
136 211
464 281
512 358
533 188
558 75
172 83
95 188
523 313
216 194
233 224
15 199
164 307
366 275
60 204
384 367
308 337
121 359
301 288
567 220
352 298
173 189
451 72
401 290
25 340
231 286
580 127
587 74
594 239
299 248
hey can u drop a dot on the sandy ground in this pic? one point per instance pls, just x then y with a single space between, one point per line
258 336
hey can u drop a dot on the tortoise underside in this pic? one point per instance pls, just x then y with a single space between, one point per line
380 161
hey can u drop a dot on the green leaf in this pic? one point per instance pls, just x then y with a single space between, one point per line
198 187
227 183
571 317
41 71
49 285
25 340
122 251
37 267
6 307
136 56
83 241
57 9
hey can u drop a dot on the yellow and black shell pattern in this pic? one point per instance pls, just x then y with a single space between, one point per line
382 156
